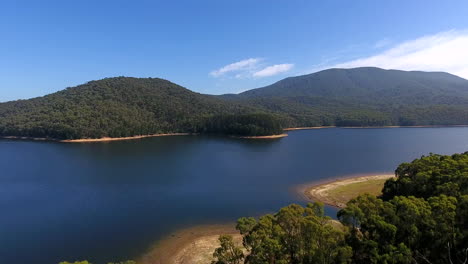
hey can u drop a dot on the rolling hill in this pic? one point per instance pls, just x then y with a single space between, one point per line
124 106
365 97
112 107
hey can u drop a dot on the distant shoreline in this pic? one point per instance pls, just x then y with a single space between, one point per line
263 137
123 138
421 126
89 140
107 139
307 128
323 191
367 127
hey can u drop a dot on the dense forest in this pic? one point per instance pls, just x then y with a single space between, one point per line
117 107
421 217
254 124
365 97
123 106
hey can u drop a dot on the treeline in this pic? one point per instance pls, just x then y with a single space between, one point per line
255 124
318 111
421 217
122 107
365 97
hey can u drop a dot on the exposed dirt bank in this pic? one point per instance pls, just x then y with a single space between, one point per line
194 245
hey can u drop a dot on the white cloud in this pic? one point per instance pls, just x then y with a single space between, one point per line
243 65
273 70
445 51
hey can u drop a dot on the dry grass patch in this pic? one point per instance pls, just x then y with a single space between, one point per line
338 193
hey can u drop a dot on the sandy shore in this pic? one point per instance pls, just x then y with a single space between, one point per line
104 139
264 137
107 139
326 192
194 245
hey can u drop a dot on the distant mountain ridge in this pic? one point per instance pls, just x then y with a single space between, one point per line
125 106
366 97
367 82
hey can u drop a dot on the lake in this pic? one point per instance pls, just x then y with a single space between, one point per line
111 201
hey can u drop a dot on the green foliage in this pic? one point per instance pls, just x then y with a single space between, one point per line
365 97
255 124
228 252
421 216
121 106
294 235
114 107
430 176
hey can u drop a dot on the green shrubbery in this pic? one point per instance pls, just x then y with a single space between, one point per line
421 217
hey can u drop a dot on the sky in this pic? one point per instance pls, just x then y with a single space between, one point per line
217 46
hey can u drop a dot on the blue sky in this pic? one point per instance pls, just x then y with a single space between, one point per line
220 46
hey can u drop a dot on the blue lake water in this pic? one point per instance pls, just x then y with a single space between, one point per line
111 201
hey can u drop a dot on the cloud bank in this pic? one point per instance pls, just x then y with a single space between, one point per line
444 51
251 68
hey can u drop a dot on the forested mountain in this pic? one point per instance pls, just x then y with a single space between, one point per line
123 106
369 84
366 97
114 107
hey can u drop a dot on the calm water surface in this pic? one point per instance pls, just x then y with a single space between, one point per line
111 201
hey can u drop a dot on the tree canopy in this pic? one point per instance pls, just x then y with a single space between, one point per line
421 217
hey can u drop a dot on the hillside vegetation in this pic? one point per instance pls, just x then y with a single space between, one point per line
365 97
123 106
114 107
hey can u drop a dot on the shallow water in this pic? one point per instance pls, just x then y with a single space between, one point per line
111 201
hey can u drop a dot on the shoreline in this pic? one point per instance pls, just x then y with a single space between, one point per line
419 126
185 245
262 137
196 244
319 191
107 139
89 140
367 127
307 128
